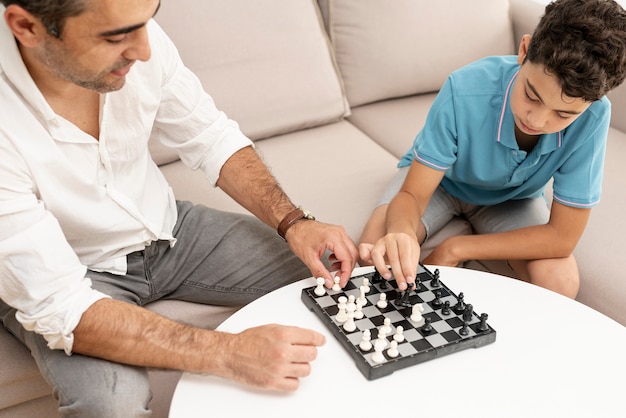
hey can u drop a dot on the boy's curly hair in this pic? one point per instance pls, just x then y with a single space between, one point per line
51 13
583 43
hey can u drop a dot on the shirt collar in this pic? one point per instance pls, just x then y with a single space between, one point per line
14 70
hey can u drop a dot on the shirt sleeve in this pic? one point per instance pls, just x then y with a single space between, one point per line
436 144
188 120
578 182
40 275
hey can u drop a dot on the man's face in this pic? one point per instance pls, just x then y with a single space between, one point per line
98 47
538 103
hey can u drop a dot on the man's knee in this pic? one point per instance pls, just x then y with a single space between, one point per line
118 391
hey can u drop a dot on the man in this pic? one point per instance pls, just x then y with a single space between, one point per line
90 230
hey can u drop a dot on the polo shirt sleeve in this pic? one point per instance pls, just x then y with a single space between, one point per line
436 144
578 182
188 120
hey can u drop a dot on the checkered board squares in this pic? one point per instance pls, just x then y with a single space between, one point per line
418 345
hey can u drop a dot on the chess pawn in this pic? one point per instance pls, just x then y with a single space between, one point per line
379 346
366 343
393 349
366 284
385 328
399 335
336 286
358 312
349 325
342 315
362 299
319 289
382 301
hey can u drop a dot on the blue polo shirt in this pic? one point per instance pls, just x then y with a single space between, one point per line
469 133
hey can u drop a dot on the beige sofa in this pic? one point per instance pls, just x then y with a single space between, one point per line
333 93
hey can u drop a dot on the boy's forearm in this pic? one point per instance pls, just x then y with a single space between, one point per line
537 242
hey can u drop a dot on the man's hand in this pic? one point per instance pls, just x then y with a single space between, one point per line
310 240
398 250
272 357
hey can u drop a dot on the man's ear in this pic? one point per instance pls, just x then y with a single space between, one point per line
523 49
26 28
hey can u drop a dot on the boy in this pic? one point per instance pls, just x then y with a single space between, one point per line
498 131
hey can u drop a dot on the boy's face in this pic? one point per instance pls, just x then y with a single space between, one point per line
97 48
537 101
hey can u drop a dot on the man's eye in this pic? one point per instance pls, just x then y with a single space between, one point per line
116 39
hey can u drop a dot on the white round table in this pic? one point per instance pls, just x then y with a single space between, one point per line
553 357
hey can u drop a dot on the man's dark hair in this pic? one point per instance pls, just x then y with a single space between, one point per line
583 43
52 13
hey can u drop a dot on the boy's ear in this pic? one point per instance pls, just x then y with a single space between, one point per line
26 28
523 49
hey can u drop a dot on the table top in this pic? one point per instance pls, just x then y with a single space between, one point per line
552 357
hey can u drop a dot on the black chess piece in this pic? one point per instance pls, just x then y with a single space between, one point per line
483 322
468 312
460 304
376 278
446 308
464 329
404 299
427 328
436 302
435 282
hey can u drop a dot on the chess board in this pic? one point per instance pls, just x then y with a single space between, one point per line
450 331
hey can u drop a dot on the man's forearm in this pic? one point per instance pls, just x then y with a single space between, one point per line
125 333
246 179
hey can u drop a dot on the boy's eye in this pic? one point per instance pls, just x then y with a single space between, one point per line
530 98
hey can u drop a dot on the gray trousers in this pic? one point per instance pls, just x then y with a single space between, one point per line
220 258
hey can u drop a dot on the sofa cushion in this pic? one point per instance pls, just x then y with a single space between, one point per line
274 77
388 49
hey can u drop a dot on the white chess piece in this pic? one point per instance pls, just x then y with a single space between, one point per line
366 284
382 301
416 314
399 335
342 315
379 346
362 299
366 343
393 349
336 286
385 328
349 325
358 313
319 289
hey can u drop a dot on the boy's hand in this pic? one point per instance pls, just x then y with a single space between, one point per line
399 251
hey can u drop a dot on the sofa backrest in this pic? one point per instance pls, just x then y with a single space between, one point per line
388 49
267 64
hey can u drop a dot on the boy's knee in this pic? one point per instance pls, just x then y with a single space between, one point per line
560 275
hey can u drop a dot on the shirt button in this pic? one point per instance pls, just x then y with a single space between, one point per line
514 152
